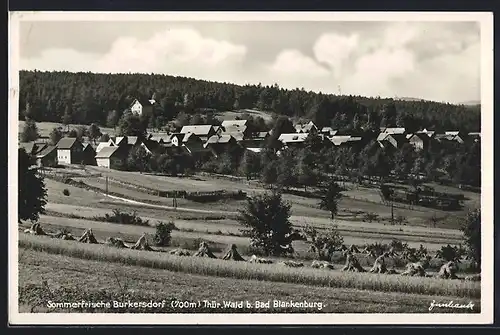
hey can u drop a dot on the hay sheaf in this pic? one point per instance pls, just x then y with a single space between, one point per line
35 229
448 271
88 237
352 263
233 254
204 251
379 264
142 244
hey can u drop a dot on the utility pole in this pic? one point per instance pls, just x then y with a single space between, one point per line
392 211
106 185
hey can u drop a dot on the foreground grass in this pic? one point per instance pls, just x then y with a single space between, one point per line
244 270
69 279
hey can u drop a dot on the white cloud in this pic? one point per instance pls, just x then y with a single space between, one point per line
421 60
334 50
293 62
177 51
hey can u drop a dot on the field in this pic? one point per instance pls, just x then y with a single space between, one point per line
44 128
231 115
112 274
79 279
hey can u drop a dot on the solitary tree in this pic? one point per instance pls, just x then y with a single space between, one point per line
471 229
131 125
250 164
31 189
138 159
112 119
30 131
94 132
330 199
267 217
55 135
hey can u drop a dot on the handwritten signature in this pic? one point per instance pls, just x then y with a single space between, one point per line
451 304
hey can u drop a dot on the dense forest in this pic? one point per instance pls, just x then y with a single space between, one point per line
87 98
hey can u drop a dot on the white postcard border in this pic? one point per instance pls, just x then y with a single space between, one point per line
486 315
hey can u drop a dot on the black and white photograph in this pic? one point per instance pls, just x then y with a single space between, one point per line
250 168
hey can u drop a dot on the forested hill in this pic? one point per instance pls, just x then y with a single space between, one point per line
89 97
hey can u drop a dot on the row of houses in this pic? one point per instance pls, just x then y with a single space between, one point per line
67 151
199 140
387 137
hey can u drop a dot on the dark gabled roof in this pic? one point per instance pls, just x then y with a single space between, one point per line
151 145
67 142
400 138
47 150
27 146
86 146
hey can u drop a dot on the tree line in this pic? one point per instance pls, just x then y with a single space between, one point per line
86 98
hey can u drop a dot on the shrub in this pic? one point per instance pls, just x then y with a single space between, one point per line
66 192
370 217
124 218
471 229
325 242
163 234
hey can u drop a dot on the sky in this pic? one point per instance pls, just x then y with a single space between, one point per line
437 61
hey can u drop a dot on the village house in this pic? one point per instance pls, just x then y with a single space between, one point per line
193 142
293 139
101 145
456 136
69 151
419 141
152 147
393 141
255 141
328 131
141 106
112 157
202 131
429 133
33 148
392 131
306 128
47 156
344 140
220 143
176 139
88 154
162 139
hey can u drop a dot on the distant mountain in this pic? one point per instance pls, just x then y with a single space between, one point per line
465 103
470 103
409 99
